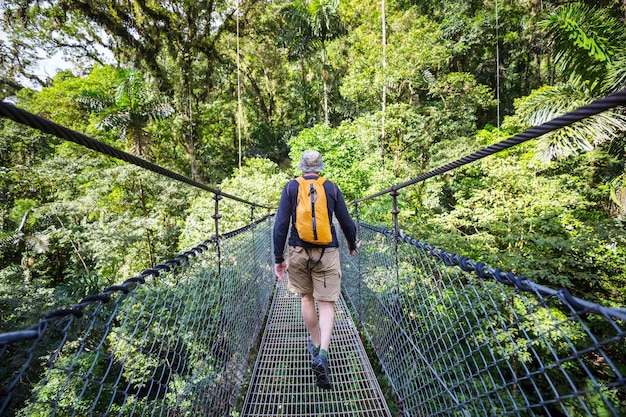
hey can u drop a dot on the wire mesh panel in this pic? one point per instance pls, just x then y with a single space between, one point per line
459 338
283 383
173 341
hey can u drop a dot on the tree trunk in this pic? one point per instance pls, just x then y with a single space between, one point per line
190 145
190 132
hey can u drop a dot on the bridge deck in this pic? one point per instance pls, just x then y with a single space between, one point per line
283 383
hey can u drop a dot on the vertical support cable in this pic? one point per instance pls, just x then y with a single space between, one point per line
239 109
497 70
216 216
384 92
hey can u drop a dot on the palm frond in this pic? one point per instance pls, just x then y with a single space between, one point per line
585 40
617 185
117 120
132 90
549 102
94 101
157 109
616 76
324 20
298 38
131 109
561 144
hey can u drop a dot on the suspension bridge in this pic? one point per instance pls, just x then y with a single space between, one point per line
210 332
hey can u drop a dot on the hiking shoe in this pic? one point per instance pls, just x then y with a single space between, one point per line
313 350
320 369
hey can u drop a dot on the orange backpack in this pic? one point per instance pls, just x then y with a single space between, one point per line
312 222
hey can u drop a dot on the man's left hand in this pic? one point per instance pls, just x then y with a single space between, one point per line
355 251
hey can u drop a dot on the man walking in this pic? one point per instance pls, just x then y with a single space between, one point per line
314 269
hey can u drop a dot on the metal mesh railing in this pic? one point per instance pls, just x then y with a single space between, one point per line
173 341
455 339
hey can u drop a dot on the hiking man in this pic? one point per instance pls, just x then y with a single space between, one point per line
314 269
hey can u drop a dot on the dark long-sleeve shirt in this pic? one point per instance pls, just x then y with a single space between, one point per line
287 212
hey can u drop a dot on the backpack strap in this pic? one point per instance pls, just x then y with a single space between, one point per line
310 263
311 260
298 180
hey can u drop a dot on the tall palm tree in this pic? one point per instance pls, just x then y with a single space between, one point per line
130 110
310 25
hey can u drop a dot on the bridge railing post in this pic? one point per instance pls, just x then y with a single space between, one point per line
254 245
360 272
216 216
394 212
396 233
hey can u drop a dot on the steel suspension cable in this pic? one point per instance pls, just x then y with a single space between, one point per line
26 118
612 100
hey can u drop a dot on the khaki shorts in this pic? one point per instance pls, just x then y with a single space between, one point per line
324 279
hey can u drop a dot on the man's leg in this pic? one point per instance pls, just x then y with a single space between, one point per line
326 322
320 362
310 317
327 286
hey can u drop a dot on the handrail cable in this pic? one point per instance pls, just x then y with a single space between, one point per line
29 119
509 278
598 106
484 271
76 310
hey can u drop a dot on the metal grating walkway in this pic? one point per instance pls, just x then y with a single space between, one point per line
283 384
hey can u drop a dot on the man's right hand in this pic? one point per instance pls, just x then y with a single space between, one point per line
280 269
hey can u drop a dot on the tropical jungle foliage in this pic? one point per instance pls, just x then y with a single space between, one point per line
193 88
